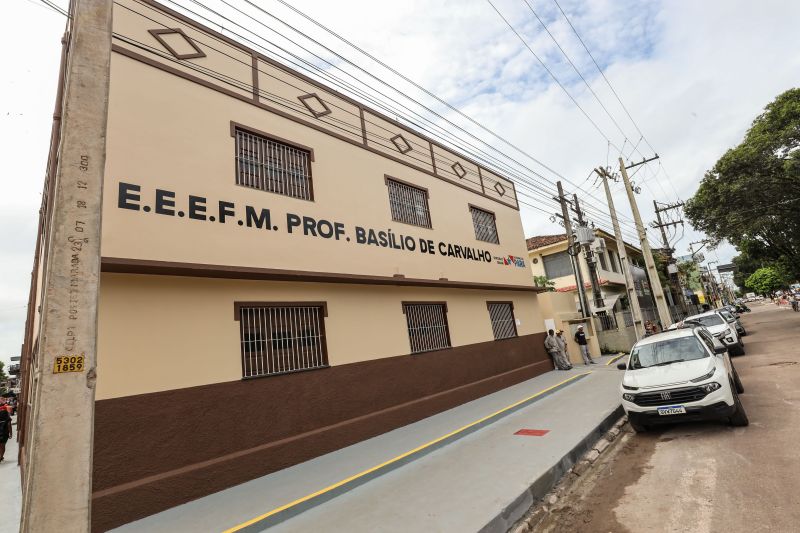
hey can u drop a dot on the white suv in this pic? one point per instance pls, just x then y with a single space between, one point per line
720 328
680 375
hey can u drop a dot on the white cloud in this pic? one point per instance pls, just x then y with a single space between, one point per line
693 74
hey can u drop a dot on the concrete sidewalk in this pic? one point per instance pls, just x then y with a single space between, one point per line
10 490
464 469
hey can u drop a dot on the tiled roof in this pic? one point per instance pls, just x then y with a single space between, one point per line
540 241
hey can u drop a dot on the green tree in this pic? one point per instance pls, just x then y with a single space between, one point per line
765 280
542 281
751 197
690 275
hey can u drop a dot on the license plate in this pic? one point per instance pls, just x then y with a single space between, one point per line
671 410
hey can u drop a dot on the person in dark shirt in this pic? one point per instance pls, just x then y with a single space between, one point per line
5 431
580 338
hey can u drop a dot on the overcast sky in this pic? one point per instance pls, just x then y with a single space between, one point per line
692 74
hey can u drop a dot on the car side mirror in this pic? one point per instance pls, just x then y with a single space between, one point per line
719 350
622 366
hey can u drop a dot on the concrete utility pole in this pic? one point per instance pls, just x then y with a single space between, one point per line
673 277
576 266
57 486
633 299
658 292
713 283
597 295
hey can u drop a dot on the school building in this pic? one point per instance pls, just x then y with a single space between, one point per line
285 271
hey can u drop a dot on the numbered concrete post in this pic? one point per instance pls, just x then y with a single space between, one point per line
58 472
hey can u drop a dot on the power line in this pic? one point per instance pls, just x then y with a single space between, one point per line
578 72
458 141
273 98
555 79
416 85
614 92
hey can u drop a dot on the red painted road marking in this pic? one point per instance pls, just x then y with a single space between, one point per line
533 432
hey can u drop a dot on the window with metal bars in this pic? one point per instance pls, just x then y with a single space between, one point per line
427 326
485 226
408 204
281 338
613 259
601 256
504 326
269 165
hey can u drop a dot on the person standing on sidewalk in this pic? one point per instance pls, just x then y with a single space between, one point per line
5 431
580 338
562 349
551 346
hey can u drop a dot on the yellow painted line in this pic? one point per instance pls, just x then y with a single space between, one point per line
398 458
617 358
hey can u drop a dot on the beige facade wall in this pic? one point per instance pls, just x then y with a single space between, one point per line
166 132
162 332
170 137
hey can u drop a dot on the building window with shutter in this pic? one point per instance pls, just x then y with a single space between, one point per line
484 223
427 326
270 165
557 265
278 338
613 260
408 203
601 256
504 326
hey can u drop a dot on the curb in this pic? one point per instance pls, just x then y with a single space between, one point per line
515 510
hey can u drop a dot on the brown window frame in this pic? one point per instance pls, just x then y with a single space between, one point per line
258 182
472 209
411 341
423 192
282 363
492 322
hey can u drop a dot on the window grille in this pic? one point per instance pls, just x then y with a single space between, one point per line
557 265
281 339
485 226
607 321
613 260
602 258
503 324
408 204
272 166
427 326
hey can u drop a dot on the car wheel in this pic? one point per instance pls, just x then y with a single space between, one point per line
738 349
737 382
637 427
744 333
739 417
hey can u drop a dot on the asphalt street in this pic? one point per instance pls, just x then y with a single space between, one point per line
708 477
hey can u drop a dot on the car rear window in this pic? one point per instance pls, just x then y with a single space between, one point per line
666 351
707 320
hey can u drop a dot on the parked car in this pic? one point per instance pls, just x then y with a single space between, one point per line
733 319
680 375
719 327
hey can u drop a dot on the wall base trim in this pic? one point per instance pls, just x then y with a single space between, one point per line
158 450
200 270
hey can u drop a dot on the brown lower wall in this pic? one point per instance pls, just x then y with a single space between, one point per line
155 451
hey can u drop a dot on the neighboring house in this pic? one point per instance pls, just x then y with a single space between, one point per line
548 256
